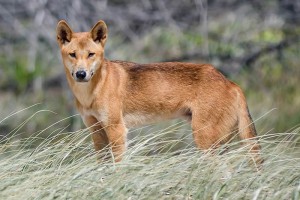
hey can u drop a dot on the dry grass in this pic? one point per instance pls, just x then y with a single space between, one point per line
63 166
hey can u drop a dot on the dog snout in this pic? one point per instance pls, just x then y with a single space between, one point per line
80 75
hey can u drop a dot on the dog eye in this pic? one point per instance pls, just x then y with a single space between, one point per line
73 55
91 54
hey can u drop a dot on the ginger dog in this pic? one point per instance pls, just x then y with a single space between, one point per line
112 96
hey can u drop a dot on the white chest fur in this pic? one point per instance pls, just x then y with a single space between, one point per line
83 94
100 115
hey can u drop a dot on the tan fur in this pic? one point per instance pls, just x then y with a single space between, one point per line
117 95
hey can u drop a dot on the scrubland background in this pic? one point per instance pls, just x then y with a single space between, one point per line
254 43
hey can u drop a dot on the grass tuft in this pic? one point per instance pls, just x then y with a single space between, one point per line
63 166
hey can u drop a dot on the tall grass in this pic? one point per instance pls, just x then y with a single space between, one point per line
63 166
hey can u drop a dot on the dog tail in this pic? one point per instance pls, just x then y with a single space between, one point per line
246 128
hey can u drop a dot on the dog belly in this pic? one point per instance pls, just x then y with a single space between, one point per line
139 118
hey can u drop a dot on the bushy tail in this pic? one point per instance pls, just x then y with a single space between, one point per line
246 128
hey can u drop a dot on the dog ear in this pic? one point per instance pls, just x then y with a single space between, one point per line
63 32
99 32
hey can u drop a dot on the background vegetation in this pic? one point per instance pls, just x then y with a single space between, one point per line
254 43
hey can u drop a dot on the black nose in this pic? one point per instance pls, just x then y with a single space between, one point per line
80 74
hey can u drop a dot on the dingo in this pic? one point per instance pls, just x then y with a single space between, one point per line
113 95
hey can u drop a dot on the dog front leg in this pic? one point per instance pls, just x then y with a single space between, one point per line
117 134
99 136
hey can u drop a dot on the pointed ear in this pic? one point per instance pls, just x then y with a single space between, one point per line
64 32
99 32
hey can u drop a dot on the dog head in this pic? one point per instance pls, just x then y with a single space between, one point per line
83 52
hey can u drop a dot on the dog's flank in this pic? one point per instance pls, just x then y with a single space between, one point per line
112 96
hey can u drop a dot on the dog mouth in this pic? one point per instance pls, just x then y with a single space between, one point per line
81 81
